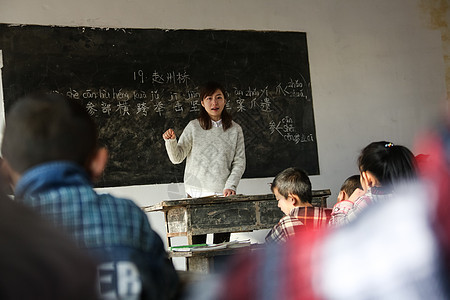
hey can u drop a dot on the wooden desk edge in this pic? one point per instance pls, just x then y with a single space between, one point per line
215 252
235 198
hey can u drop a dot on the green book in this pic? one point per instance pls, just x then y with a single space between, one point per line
187 246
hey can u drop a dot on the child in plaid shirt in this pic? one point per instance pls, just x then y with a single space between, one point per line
292 189
350 190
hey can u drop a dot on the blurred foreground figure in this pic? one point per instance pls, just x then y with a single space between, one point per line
52 157
396 249
37 262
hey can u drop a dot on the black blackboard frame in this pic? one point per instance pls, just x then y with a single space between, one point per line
139 82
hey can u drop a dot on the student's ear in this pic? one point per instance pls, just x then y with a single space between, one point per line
342 196
98 163
294 199
369 179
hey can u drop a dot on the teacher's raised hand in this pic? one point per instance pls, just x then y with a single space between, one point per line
169 134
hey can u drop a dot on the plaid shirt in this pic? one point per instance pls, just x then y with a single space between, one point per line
299 219
343 212
115 231
390 253
399 249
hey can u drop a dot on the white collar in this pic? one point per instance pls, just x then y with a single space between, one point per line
217 124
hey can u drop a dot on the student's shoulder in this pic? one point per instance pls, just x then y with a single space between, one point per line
323 211
290 220
119 203
342 206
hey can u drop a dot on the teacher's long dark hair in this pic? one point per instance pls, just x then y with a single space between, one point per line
205 121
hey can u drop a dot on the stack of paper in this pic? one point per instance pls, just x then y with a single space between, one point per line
209 247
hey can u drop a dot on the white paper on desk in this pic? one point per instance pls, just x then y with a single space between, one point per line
187 249
200 248
232 244
209 247
239 244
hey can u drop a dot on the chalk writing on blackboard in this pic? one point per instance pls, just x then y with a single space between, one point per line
240 100
136 83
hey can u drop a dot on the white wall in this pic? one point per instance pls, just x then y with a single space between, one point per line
377 71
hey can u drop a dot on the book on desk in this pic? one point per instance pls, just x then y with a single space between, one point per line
210 247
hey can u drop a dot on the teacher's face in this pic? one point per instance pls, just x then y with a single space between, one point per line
214 105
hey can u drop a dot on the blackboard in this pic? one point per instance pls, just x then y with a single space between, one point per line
136 83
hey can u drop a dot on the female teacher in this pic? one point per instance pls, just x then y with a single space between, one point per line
213 145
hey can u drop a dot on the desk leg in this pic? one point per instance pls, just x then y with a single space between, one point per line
189 242
189 238
199 264
169 244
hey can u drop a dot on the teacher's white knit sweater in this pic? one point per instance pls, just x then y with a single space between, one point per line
215 159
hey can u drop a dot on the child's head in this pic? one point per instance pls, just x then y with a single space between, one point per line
48 127
384 164
294 185
349 186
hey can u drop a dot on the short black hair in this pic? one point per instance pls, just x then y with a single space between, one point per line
293 181
47 127
351 184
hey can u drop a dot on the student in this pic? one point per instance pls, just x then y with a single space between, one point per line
382 165
213 146
350 185
292 189
37 261
50 149
400 249
350 190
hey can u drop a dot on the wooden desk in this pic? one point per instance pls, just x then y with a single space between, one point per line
206 261
237 213
203 261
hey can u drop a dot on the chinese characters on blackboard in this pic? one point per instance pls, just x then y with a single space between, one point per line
124 102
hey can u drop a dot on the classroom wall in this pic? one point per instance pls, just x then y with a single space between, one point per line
377 67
